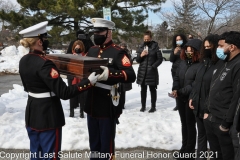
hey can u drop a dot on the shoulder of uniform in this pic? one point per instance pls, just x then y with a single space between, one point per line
96 46
41 56
116 46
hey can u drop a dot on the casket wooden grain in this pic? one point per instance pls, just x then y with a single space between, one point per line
78 66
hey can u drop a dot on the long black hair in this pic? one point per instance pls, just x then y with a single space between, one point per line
183 37
213 41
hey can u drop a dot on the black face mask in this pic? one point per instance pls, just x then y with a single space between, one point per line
100 39
45 44
208 53
77 50
146 43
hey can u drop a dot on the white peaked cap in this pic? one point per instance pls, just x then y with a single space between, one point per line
102 23
35 30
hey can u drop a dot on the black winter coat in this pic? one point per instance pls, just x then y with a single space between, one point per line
175 59
184 78
225 91
147 71
201 87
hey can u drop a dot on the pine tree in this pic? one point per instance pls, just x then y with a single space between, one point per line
68 16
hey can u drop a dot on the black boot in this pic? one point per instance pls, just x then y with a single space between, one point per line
153 108
71 112
143 108
143 100
175 108
153 99
81 113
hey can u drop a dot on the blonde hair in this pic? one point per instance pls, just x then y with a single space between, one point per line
28 42
80 43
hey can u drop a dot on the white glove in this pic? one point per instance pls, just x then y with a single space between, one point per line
104 75
93 78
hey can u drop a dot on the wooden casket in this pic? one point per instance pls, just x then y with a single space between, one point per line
77 66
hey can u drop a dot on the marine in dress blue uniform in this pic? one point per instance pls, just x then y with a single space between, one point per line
44 115
102 104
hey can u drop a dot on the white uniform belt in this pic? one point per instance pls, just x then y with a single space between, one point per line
104 86
41 95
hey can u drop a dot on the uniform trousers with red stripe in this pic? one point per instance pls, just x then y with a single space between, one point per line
45 145
101 137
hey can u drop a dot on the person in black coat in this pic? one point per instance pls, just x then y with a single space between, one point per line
223 99
178 41
79 99
201 87
149 57
182 87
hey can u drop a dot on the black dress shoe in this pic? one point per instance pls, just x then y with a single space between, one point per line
175 108
142 109
152 110
81 115
71 113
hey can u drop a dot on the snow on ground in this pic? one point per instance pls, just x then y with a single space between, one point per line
161 129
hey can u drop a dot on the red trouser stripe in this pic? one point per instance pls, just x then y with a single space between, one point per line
56 144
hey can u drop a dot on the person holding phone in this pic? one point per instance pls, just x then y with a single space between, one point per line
178 41
182 87
149 56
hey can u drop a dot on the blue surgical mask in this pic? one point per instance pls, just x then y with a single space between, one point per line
220 54
179 43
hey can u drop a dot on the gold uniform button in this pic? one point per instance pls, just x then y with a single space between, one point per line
80 87
89 84
101 51
84 85
116 73
110 73
99 56
120 73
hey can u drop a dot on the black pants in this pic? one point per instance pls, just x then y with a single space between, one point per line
202 139
102 133
235 139
220 142
79 99
122 99
188 121
153 93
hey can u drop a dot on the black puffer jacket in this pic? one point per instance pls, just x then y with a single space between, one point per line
201 87
184 79
147 71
